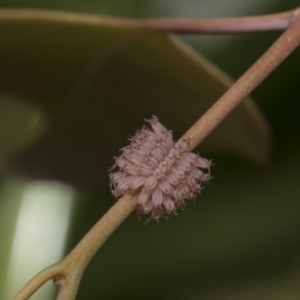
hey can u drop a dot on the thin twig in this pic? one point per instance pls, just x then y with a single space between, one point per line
67 274
36 282
272 22
81 255
282 48
88 246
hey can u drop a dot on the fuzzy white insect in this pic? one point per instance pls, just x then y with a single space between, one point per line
165 174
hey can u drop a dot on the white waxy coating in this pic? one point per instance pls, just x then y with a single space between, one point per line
166 175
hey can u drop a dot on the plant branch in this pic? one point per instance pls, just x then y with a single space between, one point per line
76 262
273 57
67 274
273 22
36 282
93 240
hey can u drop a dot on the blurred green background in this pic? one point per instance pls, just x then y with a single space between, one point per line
239 240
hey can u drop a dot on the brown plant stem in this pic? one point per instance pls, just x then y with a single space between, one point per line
81 255
262 23
282 48
67 274
36 282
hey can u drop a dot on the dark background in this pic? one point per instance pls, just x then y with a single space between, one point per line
240 239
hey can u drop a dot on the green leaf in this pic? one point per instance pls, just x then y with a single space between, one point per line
20 123
98 79
108 7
